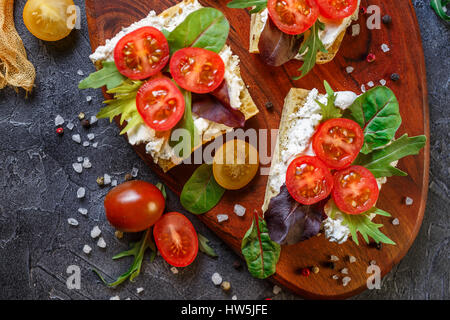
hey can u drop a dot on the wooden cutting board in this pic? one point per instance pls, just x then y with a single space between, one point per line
269 84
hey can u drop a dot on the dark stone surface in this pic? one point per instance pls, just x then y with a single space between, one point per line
39 191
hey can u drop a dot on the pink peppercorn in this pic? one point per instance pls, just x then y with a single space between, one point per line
305 272
371 57
60 131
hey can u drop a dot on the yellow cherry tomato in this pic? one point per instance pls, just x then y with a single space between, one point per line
49 20
235 164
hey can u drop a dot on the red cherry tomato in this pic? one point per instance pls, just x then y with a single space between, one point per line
355 190
337 9
160 103
308 180
197 70
176 239
141 53
293 16
337 142
134 206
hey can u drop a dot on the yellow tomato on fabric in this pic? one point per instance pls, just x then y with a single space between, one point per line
49 20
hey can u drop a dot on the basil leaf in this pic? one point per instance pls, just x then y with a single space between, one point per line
377 112
438 6
205 28
362 224
189 137
311 47
329 111
242 4
108 76
379 161
260 252
204 247
201 192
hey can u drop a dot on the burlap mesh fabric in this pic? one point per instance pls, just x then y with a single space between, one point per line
15 69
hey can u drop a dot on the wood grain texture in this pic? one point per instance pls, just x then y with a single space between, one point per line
105 19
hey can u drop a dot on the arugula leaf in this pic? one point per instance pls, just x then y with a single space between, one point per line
438 6
259 5
204 246
329 111
205 28
377 112
260 252
161 187
108 76
310 48
361 223
124 104
187 124
201 192
137 250
379 161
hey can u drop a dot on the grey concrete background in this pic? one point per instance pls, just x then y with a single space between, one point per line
38 191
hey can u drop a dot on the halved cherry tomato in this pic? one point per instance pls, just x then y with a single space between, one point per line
176 239
337 9
355 190
293 16
337 142
134 206
160 103
308 180
197 70
141 53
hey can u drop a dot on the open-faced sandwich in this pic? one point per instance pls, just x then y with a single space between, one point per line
333 153
173 71
307 30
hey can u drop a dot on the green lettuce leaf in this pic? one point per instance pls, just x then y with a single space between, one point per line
259 251
201 192
379 161
377 112
311 46
259 5
361 224
329 111
205 28
438 6
108 76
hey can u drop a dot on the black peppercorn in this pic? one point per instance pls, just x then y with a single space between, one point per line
379 246
269 105
395 77
331 265
387 19
237 265
85 123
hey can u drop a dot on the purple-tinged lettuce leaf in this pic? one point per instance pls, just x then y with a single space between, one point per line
276 47
290 222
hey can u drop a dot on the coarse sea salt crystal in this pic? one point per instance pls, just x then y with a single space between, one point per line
107 178
101 243
70 126
216 279
77 167
396 222
86 144
356 29
383 82
174 270
72 222
59 120
76 138
80 72
139 290
95 232
87 249
334 258
134 172
222 217
239 210
80 159
349 69
335 277
345 281
351 259
88 98
385 47
93 120
83 211
344 271
113 183
81 192
95 144
87 163
408 201
363 88
234 297
370 84
115 298
91 136
373 262
276 290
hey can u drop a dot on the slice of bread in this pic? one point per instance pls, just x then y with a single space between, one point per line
248 107
257 25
